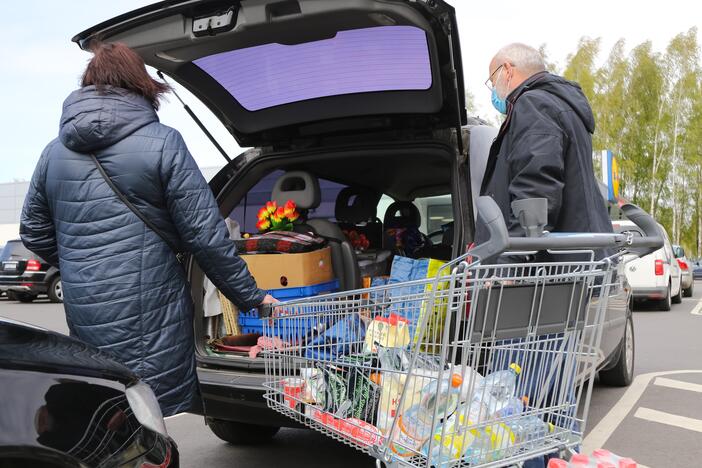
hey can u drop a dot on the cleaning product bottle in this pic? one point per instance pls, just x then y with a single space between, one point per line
414 426
497 388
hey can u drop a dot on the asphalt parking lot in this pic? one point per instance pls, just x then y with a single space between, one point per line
657 420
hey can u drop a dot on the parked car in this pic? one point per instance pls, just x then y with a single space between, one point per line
655 277
24 276
365 98
697 270
688 281
67 404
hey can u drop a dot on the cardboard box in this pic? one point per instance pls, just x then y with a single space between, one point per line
274 271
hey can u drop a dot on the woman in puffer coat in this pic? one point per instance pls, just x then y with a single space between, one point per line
124 289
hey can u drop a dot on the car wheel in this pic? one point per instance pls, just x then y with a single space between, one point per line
622 373
239 433
55 292
689 291
677 299
11 296
25 297
665 303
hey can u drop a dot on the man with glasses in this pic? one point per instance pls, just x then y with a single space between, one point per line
544 146
542 150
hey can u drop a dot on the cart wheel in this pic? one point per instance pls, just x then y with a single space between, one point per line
238 433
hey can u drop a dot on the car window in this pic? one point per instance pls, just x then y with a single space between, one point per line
15 250
246 211
666 246
384 58
435 211
678 251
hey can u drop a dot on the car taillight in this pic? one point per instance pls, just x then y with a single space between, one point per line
659 267
683 264
33 265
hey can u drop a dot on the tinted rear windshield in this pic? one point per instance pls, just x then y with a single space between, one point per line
15 250
383 58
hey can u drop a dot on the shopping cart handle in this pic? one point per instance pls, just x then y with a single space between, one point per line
652 240
491 219
265 310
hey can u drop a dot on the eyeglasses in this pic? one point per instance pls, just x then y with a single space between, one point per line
488 82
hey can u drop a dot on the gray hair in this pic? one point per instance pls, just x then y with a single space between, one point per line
522 56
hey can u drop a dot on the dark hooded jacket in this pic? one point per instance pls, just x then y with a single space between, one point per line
124 289
544 150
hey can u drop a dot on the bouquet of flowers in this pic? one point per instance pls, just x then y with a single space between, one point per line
359 241
272 217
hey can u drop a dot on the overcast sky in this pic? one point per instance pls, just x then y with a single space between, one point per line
41 66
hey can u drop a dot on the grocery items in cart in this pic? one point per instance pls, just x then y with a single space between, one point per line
497 389
598 459
529 431
414 426
513 406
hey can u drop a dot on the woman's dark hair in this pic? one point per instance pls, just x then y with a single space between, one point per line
115 64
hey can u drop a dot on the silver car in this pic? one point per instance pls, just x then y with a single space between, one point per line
686 267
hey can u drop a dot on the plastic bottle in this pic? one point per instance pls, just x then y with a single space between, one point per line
414 426
513 406
497 388
451 440
606 458
529 431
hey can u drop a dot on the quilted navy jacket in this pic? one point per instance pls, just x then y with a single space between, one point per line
124 290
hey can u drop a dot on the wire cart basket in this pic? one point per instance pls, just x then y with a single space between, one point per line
485 364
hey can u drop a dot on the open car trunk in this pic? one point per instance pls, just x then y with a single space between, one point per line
424 169
277 72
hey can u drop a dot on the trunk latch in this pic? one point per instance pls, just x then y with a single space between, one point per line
215 24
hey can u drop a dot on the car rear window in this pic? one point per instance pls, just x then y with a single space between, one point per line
246 211
15 250
383 58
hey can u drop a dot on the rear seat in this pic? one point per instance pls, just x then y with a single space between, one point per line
356 210
303 188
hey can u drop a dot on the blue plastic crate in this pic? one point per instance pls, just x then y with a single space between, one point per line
250 323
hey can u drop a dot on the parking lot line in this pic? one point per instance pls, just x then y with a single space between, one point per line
607 425
680 385
697 310
661 417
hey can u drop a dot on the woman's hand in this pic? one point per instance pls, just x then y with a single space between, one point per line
269 300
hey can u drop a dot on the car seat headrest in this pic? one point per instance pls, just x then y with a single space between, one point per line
402 215
356 205
299 186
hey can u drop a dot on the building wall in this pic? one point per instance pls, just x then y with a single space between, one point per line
12 196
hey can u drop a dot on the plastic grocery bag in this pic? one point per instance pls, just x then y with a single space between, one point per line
412 302
342 338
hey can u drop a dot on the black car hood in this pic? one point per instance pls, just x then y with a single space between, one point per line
26 347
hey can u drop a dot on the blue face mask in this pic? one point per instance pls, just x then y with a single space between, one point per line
499 103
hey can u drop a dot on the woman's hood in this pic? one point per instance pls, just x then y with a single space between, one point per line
93 119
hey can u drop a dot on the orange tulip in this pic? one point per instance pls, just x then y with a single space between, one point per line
271 206
262 214
263 225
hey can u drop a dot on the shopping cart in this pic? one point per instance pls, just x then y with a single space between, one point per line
403 371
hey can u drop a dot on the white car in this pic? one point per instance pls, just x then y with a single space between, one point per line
655 277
